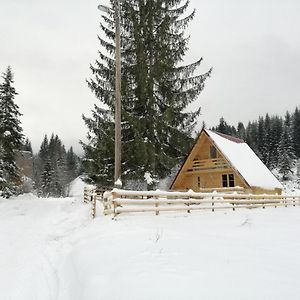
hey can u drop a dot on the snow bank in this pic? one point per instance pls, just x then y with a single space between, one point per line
238 255
51 250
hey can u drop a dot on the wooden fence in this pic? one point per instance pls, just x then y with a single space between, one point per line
92 195
124 201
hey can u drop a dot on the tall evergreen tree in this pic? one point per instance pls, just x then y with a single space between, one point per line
251 136
224 127
46 189
275 136
71 164
156 90
296 131
287 155
241 131
51 168
27 146
10 133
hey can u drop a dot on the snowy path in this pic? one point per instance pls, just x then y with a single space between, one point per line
50 249
32 231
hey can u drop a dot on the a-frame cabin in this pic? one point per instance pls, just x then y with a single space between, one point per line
218 160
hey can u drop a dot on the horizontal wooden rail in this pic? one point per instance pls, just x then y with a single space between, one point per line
116 193
121 201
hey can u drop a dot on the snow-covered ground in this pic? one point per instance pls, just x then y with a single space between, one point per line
51 249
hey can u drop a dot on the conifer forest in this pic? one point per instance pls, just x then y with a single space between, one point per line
48 172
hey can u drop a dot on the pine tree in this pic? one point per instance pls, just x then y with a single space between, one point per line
286 154
71 164
27 146
47 180
51 171
10 134
275 136
296 131
98 161
251 136
39 163
225 128
156 90
3 182
241 131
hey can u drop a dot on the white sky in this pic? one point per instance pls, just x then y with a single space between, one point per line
253 46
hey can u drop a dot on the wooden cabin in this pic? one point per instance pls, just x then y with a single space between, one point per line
221 161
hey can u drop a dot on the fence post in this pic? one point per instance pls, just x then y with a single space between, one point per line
93 198
156 206
85 194
113 202
188 204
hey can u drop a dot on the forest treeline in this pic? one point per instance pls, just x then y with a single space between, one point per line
275 139
53 167
48 172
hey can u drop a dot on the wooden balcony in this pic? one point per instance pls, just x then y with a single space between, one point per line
212 164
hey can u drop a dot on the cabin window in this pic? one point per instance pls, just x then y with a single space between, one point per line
231 180
213 152
198 182
228 180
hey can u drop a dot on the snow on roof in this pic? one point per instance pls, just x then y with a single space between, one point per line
245 161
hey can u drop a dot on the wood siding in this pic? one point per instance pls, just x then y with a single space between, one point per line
201 171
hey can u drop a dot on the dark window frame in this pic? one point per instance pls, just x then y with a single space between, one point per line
213 152
199 182
228 180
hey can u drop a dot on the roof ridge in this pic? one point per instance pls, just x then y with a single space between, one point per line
230 137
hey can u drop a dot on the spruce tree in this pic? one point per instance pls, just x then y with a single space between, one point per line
51 170
286 154
296 131
71 164
10 134
241 131
275 136
156 90
251 136
27 146
47 185
224 127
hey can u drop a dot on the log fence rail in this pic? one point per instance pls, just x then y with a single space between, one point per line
119 201
123 201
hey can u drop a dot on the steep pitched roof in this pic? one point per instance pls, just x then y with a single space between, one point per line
244 160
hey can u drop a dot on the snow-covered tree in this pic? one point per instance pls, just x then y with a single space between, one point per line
47 180
10 134
287 155
54 167
156 91
27 146
296 131
72 165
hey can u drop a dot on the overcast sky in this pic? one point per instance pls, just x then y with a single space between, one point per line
253 46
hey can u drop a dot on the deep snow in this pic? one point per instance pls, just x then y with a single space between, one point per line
51 249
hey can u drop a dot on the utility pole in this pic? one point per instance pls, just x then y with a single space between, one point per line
118 157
